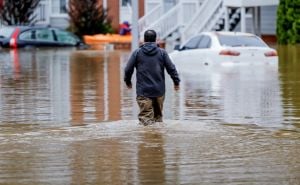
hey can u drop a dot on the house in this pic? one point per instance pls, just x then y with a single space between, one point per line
54 12
179 19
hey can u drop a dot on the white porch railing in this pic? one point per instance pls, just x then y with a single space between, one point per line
168 23
205 19
173 19
149 18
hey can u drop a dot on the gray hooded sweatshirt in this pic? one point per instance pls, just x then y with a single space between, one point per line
150 62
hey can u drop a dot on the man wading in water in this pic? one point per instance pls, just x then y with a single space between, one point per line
150 62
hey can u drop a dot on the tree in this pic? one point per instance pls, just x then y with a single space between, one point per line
18 12
288 22
88 18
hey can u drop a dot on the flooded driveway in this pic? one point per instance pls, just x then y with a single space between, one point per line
66 117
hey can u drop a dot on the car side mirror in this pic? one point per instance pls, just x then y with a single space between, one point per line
183 48
177 47
82 45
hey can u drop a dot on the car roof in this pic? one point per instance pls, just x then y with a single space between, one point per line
229 33
24 27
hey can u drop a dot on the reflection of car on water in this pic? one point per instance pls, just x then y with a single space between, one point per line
224 48
37 36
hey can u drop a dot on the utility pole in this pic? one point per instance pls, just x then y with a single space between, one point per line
135 25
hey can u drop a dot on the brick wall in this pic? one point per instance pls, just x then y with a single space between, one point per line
114 11
141 8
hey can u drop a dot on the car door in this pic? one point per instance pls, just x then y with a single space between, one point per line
204 49
188 51
195 50
65 38
45 37
38 37
187 58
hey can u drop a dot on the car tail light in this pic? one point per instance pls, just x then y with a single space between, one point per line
271 54
13 40
229 53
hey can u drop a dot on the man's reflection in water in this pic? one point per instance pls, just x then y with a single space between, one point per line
151 158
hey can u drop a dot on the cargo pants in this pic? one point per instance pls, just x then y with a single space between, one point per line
150 109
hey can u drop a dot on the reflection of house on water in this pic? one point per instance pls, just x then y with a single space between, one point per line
61 85
95 87
248 95
36 88
252 96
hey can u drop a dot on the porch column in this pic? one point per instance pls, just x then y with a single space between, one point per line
226 19
243 19
135 25
105 4
258 21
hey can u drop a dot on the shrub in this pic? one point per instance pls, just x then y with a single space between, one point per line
88 18
288 22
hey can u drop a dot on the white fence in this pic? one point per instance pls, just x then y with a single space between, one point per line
205 19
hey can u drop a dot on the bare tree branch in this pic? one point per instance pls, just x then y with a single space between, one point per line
18 12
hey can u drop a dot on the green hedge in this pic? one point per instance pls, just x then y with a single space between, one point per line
288 22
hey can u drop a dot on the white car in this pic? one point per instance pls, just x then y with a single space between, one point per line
224 49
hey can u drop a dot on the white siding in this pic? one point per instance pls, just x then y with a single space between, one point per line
59 22
268 20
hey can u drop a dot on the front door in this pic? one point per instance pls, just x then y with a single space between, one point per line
42 12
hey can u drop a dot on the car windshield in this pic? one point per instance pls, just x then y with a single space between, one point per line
6 32
240 40
66 37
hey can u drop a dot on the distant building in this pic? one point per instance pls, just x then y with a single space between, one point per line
178 19
182 19
54 12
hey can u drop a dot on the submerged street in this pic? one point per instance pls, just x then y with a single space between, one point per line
66 117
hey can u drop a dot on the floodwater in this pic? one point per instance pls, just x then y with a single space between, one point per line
67 118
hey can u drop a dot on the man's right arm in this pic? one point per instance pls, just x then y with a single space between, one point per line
129 69
171 69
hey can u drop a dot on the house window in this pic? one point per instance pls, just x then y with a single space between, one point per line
126 2
63 6
59 6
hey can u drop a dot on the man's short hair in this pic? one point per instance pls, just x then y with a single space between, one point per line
150 36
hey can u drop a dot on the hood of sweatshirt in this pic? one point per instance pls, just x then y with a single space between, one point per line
150 48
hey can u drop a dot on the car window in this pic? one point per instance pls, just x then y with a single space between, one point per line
205 42
66 37
44 35
240 40
6 32
193 43
27 35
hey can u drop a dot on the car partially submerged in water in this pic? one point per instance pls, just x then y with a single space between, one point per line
224 48
37 36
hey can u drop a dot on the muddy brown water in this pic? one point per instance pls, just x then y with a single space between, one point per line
67 118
